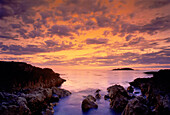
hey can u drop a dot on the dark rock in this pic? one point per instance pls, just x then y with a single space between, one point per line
54 98
106 97
88 103
97 91
20 75
130 89
97 96
60 92
119 97
157 91
12 104
136 106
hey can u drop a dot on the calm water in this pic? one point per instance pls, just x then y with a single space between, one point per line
84 82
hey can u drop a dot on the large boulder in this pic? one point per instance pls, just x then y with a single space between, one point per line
88 103
60 92
118 96
136 106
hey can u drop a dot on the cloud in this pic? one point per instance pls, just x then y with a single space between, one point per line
167 39
50 43
103 21
152 4
136 40
50 46
96 41
128 37
60 30
156 25
15 26
8 37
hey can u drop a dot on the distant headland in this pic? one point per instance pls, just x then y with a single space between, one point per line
122 69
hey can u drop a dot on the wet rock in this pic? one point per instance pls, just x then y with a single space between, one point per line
97 91
130 89
156 90
118 96
106 97
98 96
136 106
54 98
88 103
60 92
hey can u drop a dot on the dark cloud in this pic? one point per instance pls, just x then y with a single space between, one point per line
151 4
19 7
35 33
22 32
103 21
136 40
60 30
50 43
81 7
50 46
15 25
156 25
167 39
128 37
8 37
96 41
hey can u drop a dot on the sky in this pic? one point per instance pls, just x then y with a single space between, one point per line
86 33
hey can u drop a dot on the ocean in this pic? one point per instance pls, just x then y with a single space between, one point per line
85 82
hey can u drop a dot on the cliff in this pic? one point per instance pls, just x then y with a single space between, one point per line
20 75
157 91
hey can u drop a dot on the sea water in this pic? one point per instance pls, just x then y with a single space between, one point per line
85 82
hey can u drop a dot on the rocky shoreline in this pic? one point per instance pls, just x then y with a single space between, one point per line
25 89
154 100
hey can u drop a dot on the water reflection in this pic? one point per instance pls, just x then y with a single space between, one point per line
84 82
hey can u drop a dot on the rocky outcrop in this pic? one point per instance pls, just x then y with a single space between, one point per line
136 106
156 90
118 96
20 75
25 89
88 103
31 102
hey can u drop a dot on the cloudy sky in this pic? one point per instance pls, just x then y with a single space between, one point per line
86 33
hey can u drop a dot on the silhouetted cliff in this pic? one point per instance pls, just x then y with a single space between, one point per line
20 75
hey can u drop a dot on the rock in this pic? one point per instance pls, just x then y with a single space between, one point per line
20 75
88 103
60 92
136 106
97 91
97 96
118 96
130 89
54 98
106 97
12 104
156 90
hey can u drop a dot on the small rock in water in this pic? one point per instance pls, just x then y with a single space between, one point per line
97 91
97 96
106 97
88 103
